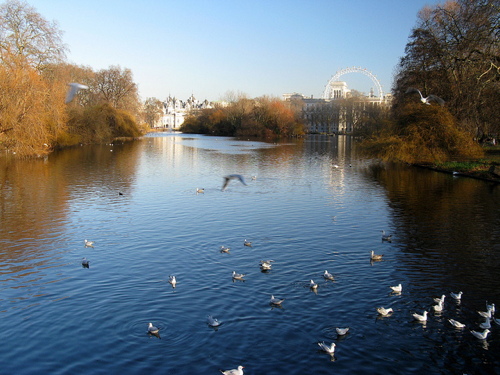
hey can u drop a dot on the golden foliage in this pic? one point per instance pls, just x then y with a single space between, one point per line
32 112
423 134
100 123
245 117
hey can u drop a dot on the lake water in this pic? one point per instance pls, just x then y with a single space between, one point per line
313 206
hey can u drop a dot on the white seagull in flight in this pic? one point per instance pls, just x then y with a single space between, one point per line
73 90
426 100
232 177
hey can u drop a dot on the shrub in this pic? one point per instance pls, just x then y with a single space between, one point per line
423 134
99 123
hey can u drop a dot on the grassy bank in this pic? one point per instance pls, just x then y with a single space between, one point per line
473 168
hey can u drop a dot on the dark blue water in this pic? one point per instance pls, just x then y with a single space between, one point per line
57 317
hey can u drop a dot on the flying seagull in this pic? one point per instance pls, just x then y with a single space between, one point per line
426 100
73 90
232 177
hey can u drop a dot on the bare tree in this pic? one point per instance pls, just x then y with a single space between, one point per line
152 111
25 33
116 86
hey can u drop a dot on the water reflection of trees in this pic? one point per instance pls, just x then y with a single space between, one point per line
452 222
36 193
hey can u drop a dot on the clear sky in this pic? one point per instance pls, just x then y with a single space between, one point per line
255 47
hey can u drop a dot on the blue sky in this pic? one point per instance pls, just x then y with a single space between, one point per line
259 47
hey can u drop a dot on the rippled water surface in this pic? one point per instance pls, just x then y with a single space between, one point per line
312 206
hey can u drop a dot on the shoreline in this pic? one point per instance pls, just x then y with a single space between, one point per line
476 175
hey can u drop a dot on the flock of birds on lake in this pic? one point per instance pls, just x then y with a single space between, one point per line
266 265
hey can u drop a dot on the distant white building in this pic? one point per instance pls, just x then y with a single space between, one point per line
176 110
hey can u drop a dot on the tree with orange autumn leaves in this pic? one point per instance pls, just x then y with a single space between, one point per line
34 118
261 117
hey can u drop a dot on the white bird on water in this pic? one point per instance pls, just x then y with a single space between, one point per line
397 289
265 265
420 318
200 190
313 285
328 276
386 237
383 311
224 249
456 323
486 324
73 90
438 300
329 349
490 307
456 296
152 329
88 243
238 276
342 331
485 314
212 322
247 243
438 307
276 301
232 177
481 335
172 280
238 371
426 100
